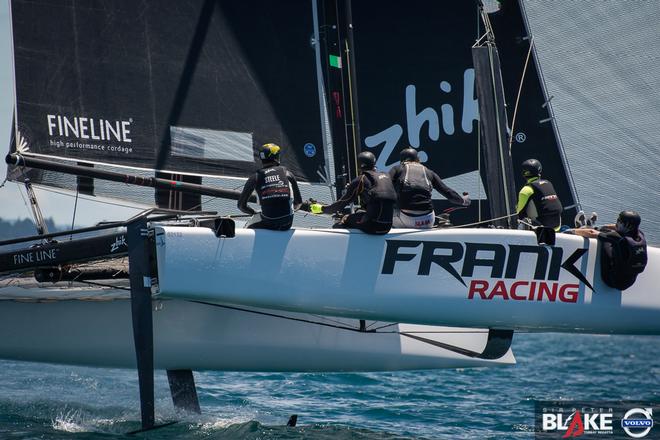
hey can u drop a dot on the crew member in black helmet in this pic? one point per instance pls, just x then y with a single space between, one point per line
623 255
538 199
414 184
274 185
374 192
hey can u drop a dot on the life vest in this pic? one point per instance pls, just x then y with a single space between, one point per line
379 188
274 192
628 259
414 186
548 206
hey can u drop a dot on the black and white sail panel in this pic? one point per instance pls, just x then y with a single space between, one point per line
190 87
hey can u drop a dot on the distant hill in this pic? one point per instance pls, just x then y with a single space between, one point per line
23 228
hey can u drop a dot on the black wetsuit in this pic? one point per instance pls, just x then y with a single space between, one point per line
538 200
273 184
622 258
376 195
414 184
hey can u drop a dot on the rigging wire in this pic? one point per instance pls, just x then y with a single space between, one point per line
92 283
75 208
92 199
522 80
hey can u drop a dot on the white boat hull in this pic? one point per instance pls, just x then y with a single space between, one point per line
189 335
457 277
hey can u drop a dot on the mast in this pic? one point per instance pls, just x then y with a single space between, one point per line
494 129
339 53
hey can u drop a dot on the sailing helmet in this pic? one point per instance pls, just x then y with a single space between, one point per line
628 222
408 155
270 153
531 168
367 160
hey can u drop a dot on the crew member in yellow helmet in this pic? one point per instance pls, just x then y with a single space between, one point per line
276 189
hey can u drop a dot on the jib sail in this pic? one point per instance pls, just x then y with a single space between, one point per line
417 88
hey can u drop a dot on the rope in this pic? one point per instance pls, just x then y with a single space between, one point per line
484 221
274 315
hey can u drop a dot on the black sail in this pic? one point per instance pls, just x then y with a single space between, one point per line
186 87
417 88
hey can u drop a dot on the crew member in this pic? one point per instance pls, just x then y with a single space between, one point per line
623 255
374 192
275 186
538 199
414 184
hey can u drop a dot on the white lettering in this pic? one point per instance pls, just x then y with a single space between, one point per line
125 131
590 421
605 422
470 103
416 120
549 422
73 127
91 130
51 124
114 130
83 128
389 137
447 111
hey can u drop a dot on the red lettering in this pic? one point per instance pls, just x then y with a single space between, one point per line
499 289
478 286
551 294
567 295
532 291
514 286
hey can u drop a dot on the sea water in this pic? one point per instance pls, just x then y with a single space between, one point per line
43 401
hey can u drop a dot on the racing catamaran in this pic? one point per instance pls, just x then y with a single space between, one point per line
156 100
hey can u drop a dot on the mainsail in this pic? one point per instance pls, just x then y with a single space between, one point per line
189 89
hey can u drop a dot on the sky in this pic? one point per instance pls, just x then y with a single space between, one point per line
12 205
